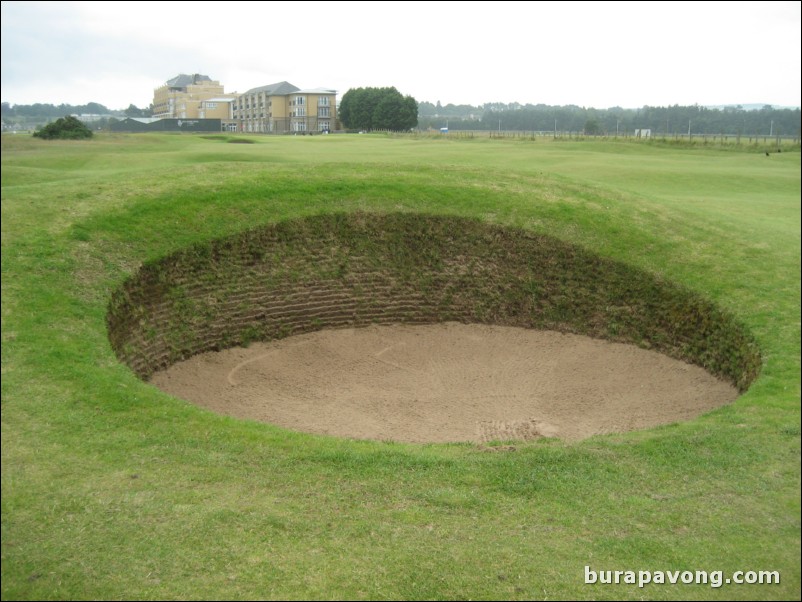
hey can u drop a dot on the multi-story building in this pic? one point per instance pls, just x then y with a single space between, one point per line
219 108
282 108
187 96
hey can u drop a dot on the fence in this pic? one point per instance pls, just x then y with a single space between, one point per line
655 136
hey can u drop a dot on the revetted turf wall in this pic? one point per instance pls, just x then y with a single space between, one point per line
355 269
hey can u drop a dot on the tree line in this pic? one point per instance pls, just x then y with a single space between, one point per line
676 119
386 109
44 112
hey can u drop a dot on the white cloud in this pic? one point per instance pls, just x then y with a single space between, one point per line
586 53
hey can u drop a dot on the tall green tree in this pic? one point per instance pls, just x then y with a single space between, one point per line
592 128
134 111
378 108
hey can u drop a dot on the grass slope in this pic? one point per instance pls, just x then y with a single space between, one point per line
112 489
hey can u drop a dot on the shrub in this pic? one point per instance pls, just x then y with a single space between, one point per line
64 128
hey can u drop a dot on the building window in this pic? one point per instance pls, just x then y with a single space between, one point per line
323 112
299 100
323 101
300 112
323 126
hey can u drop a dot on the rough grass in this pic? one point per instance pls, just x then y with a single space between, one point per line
112 489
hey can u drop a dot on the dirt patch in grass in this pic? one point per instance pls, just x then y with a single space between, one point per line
447 382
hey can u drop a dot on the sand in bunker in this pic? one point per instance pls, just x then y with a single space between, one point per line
447 382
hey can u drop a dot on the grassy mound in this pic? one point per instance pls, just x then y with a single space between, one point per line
356 269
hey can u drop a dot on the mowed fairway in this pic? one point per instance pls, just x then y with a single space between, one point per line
113 489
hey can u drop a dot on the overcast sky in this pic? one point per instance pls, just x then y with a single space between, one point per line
592 54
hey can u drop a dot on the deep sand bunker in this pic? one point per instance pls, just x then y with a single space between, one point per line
419 327
447 382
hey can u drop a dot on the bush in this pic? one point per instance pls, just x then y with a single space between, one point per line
64 128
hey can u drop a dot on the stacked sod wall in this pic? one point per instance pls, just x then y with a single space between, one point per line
357 269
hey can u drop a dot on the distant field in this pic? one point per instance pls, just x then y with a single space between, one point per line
113 489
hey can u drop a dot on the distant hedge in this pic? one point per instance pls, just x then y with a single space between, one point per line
64 128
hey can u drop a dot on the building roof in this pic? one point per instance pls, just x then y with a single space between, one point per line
183 80
317 91
279 89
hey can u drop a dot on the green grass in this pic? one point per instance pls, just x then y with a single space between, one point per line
113 489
